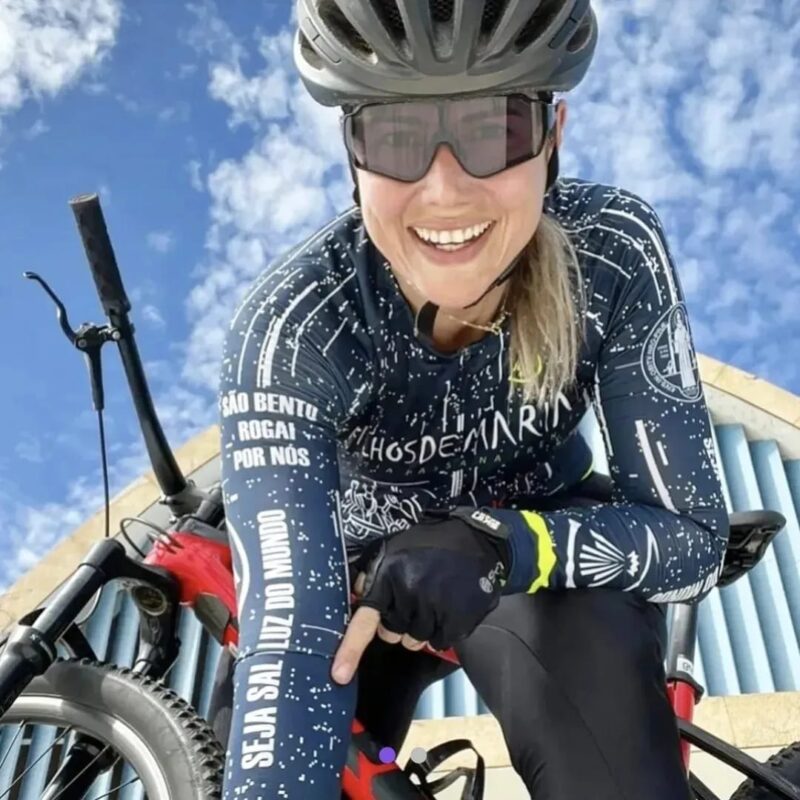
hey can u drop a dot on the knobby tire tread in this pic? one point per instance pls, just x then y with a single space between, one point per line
206 755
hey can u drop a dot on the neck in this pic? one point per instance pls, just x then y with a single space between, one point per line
455 328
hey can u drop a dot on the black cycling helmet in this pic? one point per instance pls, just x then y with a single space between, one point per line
352 51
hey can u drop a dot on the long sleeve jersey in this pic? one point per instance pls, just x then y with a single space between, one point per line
340 425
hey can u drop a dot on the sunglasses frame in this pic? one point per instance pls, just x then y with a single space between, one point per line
350 111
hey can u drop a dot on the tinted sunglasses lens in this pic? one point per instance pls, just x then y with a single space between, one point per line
488 135
394 139
494 133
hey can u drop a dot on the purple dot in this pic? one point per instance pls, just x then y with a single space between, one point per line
387 755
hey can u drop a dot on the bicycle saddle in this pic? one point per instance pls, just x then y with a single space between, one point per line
751 534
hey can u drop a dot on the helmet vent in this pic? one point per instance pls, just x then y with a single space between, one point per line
538 23
582 34
391 18
492 11
442 10
338 24
309 53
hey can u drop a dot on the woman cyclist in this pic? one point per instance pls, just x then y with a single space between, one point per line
400 397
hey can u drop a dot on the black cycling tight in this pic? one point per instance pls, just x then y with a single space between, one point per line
575 680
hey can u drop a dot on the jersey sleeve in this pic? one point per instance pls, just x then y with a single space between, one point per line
280 400
664 534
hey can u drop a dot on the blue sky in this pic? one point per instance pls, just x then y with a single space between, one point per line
211 160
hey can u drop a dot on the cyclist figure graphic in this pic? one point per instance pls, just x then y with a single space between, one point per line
431 352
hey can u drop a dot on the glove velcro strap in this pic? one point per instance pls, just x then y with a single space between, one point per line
546 554
482 520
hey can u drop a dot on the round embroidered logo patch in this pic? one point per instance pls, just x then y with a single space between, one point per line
668 358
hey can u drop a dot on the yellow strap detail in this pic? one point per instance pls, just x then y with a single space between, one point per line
545 549
588 471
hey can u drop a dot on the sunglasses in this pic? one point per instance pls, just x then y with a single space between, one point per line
486 134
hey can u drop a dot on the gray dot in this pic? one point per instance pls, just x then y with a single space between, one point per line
418 755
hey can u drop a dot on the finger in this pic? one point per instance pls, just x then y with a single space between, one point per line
358 587
358 635
410 643
388 636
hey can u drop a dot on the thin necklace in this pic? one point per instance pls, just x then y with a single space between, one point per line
495 326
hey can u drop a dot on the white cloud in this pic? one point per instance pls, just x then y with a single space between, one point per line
46 45
196 180
161 241
186 70
694 107
151 314
180 112
37 129
296 157
262 97
32 531
29 448
209 35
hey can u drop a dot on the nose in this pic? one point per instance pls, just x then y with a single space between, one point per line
446 181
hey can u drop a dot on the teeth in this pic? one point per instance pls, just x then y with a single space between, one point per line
454 236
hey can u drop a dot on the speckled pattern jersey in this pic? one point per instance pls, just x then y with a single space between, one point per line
340 425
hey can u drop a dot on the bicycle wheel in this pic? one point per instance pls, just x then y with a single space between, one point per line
165 745
785 762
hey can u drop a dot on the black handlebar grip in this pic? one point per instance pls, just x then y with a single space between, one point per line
92 228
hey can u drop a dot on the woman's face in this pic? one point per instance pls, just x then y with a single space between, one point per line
448 198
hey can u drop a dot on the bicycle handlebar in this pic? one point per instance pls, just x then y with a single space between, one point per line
94 234
182 496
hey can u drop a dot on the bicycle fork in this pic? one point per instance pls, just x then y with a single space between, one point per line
31 647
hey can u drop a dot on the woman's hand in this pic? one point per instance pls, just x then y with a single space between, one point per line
434 582
409 642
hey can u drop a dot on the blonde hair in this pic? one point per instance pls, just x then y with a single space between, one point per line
548 315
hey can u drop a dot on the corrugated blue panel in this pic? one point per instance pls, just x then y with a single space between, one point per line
11 738
751 631
98 627
793 479
768 578
185 671
205 682
132 788
431 703
776 493
38 762
714 648
461 699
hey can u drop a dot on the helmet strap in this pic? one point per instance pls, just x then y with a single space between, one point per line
356 195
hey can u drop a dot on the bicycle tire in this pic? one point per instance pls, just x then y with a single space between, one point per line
785 762
157 728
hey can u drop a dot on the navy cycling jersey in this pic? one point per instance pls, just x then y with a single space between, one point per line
341 425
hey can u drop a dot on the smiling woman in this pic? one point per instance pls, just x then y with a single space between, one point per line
449 332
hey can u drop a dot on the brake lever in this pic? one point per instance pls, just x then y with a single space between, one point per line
89 338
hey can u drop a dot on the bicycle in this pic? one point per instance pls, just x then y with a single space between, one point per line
106 712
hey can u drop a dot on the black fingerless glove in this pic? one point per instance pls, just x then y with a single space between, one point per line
438 579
